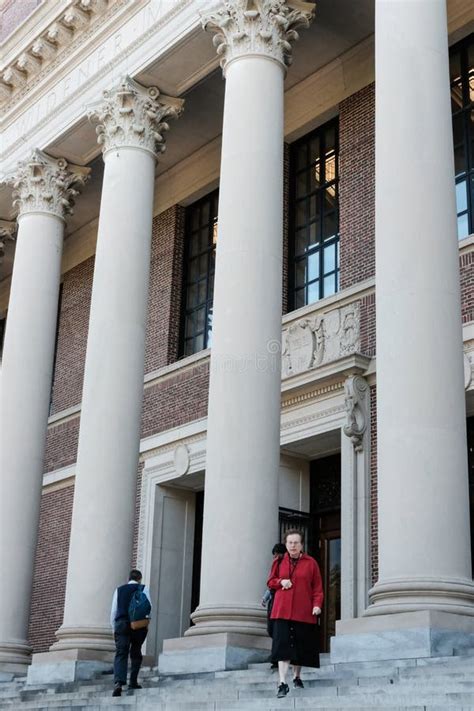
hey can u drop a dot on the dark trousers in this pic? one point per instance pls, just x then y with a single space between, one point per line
127 641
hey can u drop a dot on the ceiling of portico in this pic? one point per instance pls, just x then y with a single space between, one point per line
190 70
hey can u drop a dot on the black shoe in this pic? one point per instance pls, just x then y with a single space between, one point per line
117 690
135 686
274 665
283 689
297 683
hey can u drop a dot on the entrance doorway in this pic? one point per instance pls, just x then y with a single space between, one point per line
324 542
197 551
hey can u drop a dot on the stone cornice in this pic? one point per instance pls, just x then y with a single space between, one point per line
257 27
71 22
45 184
134 116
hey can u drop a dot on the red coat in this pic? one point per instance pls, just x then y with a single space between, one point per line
307 591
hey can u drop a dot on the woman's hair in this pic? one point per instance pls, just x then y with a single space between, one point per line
294 532
279 549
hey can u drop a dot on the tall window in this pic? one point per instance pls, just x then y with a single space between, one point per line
462 103
314 217
200 257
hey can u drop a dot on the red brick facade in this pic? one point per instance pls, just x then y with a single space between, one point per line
357 187
466 262
72 336
49 586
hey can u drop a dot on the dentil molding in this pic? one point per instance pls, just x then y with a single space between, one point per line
134 116
265 27
46 184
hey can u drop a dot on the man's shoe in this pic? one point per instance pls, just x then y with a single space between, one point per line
297 683
283 689
135 686
117 690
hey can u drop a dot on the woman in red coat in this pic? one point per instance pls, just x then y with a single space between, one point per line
299 596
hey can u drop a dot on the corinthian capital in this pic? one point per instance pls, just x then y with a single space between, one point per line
46 184
134 116
266 27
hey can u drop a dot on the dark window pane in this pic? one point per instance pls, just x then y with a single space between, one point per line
194 244
189 325
300 213
205 213
330 226
314 149
301 241
330 139
193 298
302 184
300 273
455 67
316 176
470 64
198 343
200 320
330 202
300 298
314 233
302 157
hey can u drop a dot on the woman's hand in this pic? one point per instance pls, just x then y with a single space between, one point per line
286 584
316 611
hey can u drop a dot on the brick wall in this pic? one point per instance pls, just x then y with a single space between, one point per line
367 325
466 268
12 14
61 444
178 399
164 298
49 586
357 186
72 336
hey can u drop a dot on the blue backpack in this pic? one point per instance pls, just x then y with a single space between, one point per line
139 609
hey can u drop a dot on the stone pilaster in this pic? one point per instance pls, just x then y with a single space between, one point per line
44 191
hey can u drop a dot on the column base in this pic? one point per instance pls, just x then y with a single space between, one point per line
238 619
406 635
212 652
68 665
15 657
443 594
88 638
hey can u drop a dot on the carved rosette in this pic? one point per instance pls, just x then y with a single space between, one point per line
356 391
46 184
266 27
7 233
134 116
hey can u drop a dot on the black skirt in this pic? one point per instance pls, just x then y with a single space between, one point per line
297 642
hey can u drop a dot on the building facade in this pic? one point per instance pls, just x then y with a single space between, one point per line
192 362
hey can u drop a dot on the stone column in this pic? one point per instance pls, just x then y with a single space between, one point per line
243 440
424 537
423 498
44 191
131 126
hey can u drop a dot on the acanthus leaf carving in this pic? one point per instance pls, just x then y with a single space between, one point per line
356 391
46 184
132 115
266 27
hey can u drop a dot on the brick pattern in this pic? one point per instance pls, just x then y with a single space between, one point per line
73 327
61 445
166 281
357 187
466 268
12 14
179 399
367 325
49 586
374 550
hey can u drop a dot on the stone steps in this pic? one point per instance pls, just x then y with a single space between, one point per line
397 685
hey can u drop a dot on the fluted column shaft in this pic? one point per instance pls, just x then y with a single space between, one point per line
423 499
131 123
243 436
41 185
